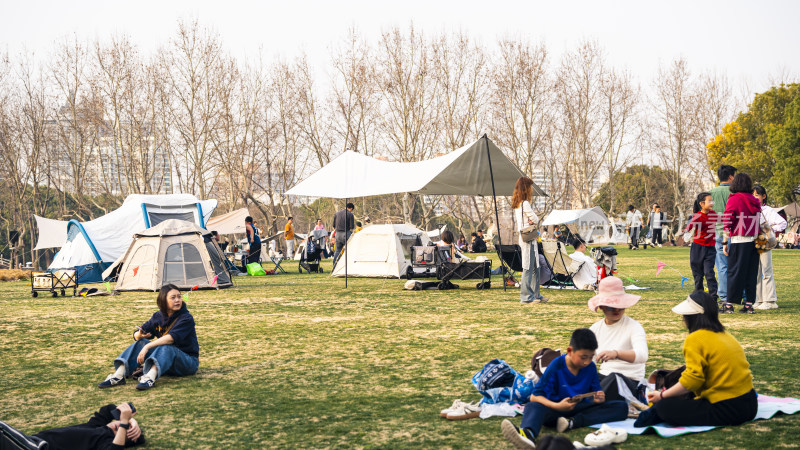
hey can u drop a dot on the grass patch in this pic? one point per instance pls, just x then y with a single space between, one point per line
298 361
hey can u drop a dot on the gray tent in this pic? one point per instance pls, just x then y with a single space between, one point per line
174 251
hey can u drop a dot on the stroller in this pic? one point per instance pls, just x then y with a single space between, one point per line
606 260
311 255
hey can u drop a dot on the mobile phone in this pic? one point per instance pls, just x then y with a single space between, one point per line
115 413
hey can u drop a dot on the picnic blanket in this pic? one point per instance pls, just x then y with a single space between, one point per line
767 407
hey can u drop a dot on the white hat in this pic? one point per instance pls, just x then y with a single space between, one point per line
688 307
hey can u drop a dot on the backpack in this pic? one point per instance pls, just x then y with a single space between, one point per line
542 359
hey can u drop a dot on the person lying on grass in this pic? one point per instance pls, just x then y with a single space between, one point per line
174 350
554 401
622 342
717 377
102 431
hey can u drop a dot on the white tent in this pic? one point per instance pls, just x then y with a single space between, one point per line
92 246
462 172
230 223
591 225
174 251
380 251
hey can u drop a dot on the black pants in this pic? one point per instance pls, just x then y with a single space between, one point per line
251 258
634 234
610 386
701 259
657 236
689 412
742 271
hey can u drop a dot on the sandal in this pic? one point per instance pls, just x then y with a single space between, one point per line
747 308
726 308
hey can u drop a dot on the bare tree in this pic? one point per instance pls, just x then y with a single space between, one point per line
408 112
193 67
674 127
623 131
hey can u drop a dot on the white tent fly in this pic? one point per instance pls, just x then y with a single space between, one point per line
462 172
92 246
591 225
380 251
229 223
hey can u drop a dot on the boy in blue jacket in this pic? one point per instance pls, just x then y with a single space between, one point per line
553 403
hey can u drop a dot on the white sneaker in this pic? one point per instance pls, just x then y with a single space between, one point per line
563 424
456 404
606 436
464 412
765 306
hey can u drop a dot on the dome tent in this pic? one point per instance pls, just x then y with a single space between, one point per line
380 251
92 246
174 251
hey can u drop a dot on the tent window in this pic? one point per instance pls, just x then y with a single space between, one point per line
158 217
183 265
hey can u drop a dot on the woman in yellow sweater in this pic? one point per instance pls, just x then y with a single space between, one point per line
717 373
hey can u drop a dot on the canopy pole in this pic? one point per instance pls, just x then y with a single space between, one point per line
344 250
494 199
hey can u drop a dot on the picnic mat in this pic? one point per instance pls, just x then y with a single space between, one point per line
767 407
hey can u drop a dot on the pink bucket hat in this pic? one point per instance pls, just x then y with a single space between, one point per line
610 292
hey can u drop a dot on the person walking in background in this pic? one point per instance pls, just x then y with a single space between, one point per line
254 242
633 220
766 295
523 217
740 223
319 226
720 196
343 224
288 234
656 222
703 225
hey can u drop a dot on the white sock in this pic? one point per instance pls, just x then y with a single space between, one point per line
152 373
120 373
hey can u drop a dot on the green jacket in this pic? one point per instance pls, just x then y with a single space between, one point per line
720 196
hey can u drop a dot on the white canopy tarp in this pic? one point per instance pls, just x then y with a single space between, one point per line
230 223
462 172
52 233
589 224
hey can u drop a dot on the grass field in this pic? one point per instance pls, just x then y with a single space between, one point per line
298 361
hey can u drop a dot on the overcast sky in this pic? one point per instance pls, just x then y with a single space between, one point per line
750 41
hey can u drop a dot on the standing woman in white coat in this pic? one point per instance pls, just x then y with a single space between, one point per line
524 216
766 296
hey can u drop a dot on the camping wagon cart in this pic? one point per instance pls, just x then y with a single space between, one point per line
53 282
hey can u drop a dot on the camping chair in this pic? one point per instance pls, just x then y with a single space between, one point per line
564 267
461 270
510 259
11 438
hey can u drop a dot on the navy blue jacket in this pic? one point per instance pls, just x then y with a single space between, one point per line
182 330
558 383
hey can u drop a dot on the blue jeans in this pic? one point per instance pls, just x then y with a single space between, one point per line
722 270
529 283
168 359
584 414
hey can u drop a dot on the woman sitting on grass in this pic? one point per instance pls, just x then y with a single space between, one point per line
173 352
622 342
717 374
